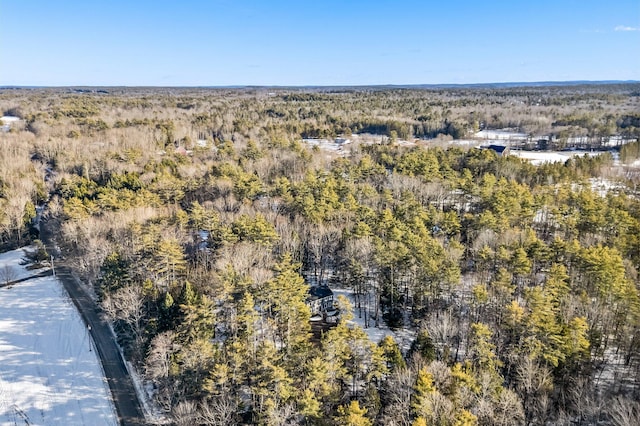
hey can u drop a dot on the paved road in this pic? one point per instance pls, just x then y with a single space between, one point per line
123 391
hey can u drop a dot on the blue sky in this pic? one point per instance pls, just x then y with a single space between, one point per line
227 42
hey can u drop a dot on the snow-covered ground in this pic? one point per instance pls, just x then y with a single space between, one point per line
324 144
343 146
540 157
614 141
49 372
404 336
465 142
7 121
603 186
10 266
501 135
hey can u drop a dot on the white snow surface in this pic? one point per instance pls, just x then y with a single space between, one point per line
49 370
11 263
501 134
603 186
403 336
539 157
465 142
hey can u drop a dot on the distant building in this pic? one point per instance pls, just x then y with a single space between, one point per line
320 299
543 143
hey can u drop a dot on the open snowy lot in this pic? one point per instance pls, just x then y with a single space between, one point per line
540 157
402 336
49 373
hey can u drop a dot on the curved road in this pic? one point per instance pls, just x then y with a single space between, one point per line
123 391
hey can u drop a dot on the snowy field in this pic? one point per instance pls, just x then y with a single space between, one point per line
343 146
500 135
49 373
540 157
324 144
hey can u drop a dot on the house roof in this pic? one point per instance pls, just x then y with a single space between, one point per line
497 148
319 292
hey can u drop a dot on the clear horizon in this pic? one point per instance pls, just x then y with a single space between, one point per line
320 86
283 43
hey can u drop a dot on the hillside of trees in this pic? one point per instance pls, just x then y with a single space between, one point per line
199 218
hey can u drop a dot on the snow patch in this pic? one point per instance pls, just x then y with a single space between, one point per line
9 119
603 186
501 135
49 371
403 336
540 157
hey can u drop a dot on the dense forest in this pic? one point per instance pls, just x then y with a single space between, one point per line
199 218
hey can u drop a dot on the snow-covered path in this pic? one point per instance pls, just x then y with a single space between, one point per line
49 373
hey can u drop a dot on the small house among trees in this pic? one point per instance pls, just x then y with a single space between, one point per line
320 299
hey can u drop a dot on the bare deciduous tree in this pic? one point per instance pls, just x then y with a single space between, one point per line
444 329
185 413
534 382
221 411
624 412
396 395
158 360
127 305
8 274
508 409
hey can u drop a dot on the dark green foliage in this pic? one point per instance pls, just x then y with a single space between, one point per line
392 353
38 255
114 274
424 346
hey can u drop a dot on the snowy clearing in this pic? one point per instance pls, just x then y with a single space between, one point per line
539 157
464 142
49 372
403 336
324 144
11 268
603 186
501 135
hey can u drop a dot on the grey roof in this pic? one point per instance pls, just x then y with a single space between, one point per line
319 292
497 148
